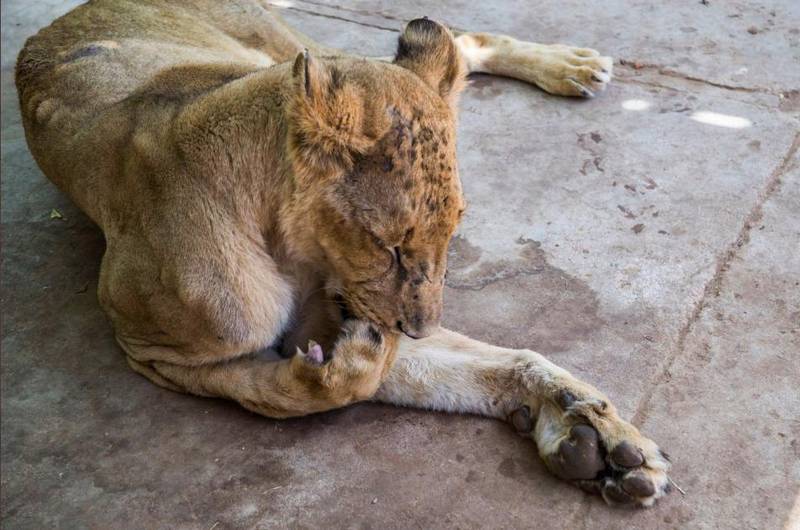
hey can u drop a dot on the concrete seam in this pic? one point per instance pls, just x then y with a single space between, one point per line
356 11
714 285
654 84
480 284
335 17
668 72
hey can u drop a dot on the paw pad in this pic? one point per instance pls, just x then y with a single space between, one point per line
638 485
626 455
521 420
579 457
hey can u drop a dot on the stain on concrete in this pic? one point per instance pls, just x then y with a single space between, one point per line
521 302
628 214
514 468
484 87
461 253
790 101
588 142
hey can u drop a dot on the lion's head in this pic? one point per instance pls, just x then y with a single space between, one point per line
378 196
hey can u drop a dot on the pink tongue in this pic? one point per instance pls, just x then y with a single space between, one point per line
315 353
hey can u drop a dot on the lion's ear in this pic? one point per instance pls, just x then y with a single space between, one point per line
325 118
428 49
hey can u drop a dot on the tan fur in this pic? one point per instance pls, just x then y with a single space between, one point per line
258 191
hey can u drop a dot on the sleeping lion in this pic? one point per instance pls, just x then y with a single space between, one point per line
259 192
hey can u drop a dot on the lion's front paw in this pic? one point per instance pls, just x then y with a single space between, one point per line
570 71
581 439
358 355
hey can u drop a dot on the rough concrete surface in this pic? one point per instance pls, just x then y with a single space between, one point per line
652 254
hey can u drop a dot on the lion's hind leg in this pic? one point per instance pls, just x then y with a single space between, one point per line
556 68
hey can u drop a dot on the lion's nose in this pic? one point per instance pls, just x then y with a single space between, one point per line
417 328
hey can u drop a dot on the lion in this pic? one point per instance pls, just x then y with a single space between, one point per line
261 193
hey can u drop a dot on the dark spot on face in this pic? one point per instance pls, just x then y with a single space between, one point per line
408 184
388 165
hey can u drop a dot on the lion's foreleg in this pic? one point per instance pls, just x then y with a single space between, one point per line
577 430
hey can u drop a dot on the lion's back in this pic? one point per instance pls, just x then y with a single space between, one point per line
106 50
81 78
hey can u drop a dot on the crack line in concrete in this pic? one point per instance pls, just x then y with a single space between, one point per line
357 11
335 17
668 72
480 284
643 82
714 285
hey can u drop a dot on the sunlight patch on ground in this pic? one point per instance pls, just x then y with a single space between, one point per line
793 522
720 120
635 104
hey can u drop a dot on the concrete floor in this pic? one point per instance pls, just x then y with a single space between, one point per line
651 253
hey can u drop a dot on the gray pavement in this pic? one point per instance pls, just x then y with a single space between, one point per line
646 240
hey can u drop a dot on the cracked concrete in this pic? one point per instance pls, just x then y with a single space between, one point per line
638 243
